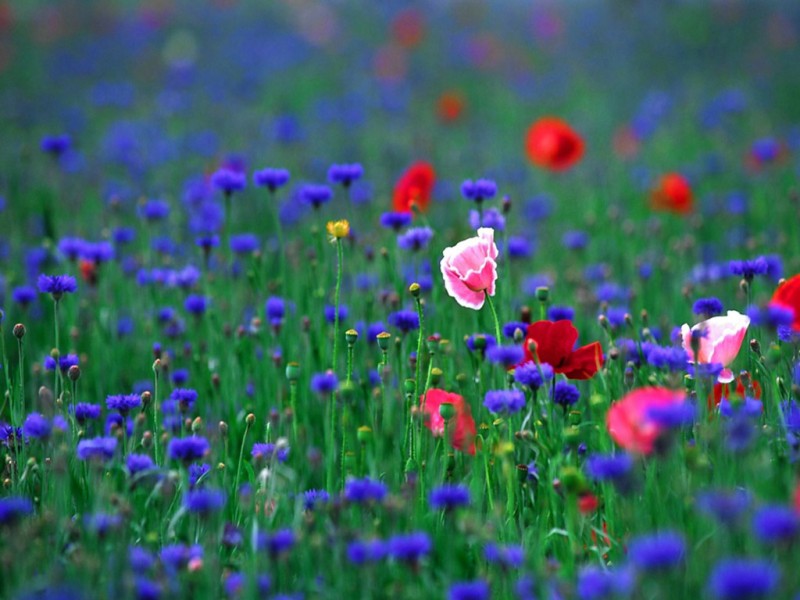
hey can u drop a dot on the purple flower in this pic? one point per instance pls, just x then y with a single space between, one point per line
154 210
533 375
603 467
396 220
85 412
409 548
324 383
449 497
415 238
37 426
269 451
124 403
480 190
276 543
491 218
204 501
519 247
13 509
776 523
275 309
709 307
510 557
57 285
560 313
315 195
100 448
139 462
661 550
748 269
743 579
197 473
469 590
330 313
23 295
272 179
360 552
196 304
312 498
504 401
187 449
244 243
725 506
364 490
56 144
404 320
228 181
345 174
575 240
565 394
598 584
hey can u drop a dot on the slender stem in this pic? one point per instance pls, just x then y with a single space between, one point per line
5 363
239 464
21 380
55 324
349 362
494 316
293 404
339 259
156 432
418 374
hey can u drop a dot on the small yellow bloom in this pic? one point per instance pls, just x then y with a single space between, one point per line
338 229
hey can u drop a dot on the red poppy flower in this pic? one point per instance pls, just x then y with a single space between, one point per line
673 194
588 503
462 437
450 106
88 270
723 390
788 296
553 343
408 28
414 188
552 144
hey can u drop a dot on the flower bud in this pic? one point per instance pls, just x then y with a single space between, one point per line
19 331
351 335
543 294
250 419
74 373
383 340
293 372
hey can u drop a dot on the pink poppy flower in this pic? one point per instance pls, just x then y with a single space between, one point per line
628 422
720 339
470 269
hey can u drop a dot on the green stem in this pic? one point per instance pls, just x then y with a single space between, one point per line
494 316
339 260
21 382
239 464
293 404
156 432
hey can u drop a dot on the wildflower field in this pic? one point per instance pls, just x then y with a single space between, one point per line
456 299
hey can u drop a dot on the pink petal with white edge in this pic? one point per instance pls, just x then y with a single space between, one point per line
483 278
725 376
457 289
487 235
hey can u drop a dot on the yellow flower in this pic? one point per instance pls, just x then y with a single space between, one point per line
338 229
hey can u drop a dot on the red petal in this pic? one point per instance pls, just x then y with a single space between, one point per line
584 362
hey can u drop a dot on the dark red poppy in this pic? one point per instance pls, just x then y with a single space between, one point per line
723 390
672 194
588 503
552 144
414 188
553 343
88 270
450 106
788 296
462 437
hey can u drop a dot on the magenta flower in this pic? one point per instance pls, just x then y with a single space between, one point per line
718 341
470 269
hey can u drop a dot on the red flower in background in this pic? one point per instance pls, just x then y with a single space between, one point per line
414 188
788 296
462 437
553 343
723 390
450 106
408 28
673 194
552 144
88 270
628 421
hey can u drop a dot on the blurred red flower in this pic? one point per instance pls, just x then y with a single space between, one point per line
462 436
450 106
414 188
408 28
788 296
553 343
552 144
673 194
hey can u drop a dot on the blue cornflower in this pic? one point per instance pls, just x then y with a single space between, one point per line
330 313
276 543
360 552
23 295
345 174
512 326
244 243
207 241
791 415
708 307
673 415
739 433
228 181
727 507
275 309
123 403
364 490
575 240
511 557
269 451
600 584
272 179
140 560
480 190
37 426
396 220
123 235
773 316
234 585
480 341
154 210
560 313
64 362
101 448
324 383
743 579
765 149
98 252
661 550
13 508
176 556
315 195
404 320
604 467
533 375
139 462
204 501
187 449
410 547
57 285
748 269
505 355
750 407
565 394
313 498
671 358
504 401
415 238
84 412
491 218
449 497
775 523
196 304
373 330
101 523
469 590
197 474
519 247
71 248
56 144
